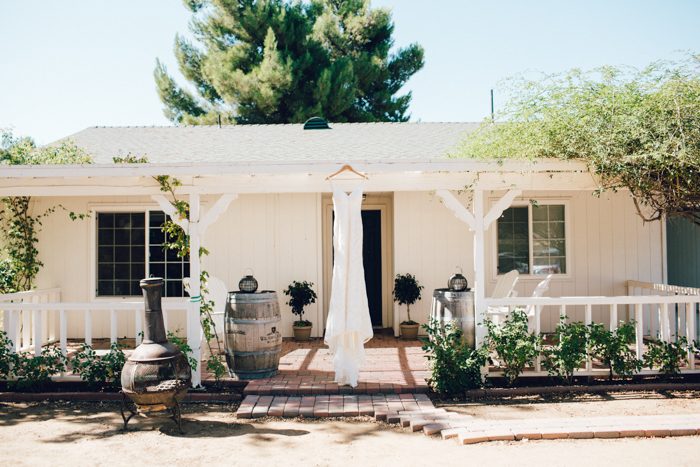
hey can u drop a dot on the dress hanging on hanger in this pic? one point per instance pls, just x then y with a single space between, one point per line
349 325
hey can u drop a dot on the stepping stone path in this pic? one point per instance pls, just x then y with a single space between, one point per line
416 412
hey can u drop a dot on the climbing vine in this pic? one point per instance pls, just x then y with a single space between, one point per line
177 239
19 229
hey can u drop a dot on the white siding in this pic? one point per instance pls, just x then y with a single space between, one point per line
276 235
609 244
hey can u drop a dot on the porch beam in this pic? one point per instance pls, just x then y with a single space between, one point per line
194 332
455 206
170 210
215 211
502 204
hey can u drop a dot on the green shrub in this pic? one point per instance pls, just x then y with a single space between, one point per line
454 366
301 294
667 356
612 348
181 343
33 373
8 359
407 292
99 370
513 343
569 352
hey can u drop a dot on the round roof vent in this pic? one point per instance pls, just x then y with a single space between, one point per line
316 123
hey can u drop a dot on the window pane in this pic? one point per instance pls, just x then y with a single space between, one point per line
136 288
122 271
173 271
539 213
138 237
156 253
156 219
173 289
513 242
105 271
105 220
105 237
122 254
122 237
540 230
171 255
156 236
157 269
558 247
138 270
138 220
138 254
519 214
122 288
556 212
122 220
105 288
105 254
549 265
556 230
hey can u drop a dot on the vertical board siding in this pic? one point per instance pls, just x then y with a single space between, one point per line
609 245
683 241
275 234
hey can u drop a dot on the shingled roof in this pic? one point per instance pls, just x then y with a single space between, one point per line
253 143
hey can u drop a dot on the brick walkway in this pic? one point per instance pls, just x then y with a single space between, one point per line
417 413
394 366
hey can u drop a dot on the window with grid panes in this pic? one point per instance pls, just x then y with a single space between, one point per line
130 248
532 239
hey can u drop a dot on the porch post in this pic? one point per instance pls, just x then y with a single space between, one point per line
194 338
479 266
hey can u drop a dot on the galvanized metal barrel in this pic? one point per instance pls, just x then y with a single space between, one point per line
253 341
458 307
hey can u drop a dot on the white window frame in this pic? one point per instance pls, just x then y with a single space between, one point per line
95 209
566 202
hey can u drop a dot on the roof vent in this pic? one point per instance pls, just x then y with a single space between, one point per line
316 123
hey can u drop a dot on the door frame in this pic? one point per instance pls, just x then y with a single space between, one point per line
372 203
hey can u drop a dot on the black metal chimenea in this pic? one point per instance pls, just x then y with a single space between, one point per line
157 375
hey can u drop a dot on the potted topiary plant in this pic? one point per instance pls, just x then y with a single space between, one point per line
301 294
407 292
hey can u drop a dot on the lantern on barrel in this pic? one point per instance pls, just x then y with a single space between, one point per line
248 284
457 282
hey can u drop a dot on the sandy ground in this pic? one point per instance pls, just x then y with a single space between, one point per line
79 434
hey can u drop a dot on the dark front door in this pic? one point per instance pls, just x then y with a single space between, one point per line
372 261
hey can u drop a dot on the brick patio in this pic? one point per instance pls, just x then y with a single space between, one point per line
394 366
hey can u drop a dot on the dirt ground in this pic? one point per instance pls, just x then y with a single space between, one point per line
73 434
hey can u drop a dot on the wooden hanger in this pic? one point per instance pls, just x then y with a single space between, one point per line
347 167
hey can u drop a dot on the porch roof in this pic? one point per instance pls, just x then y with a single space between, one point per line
258 143
284 159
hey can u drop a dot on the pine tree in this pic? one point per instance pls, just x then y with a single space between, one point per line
271 61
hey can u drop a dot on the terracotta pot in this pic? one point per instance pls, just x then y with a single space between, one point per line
302 333
409 331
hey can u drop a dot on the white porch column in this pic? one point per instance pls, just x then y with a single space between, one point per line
479 223
193 327
479 266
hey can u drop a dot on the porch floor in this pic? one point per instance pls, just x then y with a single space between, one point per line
394 366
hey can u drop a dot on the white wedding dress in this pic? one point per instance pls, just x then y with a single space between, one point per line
349 325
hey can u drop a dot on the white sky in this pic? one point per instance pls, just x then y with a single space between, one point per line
68 65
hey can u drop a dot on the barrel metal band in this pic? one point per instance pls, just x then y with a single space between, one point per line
241 353
253 321
461 320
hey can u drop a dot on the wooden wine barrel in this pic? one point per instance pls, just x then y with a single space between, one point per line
458 307
253 341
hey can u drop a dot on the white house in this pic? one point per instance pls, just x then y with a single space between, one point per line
267 183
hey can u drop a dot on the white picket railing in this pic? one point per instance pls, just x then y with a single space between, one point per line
21 316
685 305
23 323
652 312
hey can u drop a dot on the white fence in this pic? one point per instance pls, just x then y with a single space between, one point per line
672 313
32 319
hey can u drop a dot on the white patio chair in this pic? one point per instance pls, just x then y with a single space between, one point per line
533 311
217 293
504 289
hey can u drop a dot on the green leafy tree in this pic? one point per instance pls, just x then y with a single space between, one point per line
275 61
18 228
569 351
613 348
300 295
513 343
636 129
453 364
